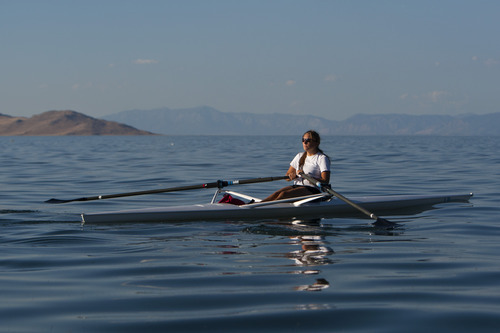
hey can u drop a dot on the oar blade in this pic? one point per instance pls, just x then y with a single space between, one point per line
56 201
383 223
60 201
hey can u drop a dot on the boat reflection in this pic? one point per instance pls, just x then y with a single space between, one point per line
311 246
319 285
311 249
314 251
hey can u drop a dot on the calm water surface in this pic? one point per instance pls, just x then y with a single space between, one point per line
438 271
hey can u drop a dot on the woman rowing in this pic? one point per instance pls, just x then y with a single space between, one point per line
312 162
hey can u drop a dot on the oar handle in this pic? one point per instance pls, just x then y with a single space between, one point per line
256 180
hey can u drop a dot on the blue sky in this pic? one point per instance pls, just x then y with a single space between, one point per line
331 59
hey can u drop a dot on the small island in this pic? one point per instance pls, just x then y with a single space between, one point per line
67 122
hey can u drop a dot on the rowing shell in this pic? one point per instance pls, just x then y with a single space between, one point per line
308 207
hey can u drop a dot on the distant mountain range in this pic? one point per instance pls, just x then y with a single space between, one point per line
209 121
54 123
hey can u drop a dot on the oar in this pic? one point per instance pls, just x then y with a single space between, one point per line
379 222
219 184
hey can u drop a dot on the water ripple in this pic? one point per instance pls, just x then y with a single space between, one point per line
437 271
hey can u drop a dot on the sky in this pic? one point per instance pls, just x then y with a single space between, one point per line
332 59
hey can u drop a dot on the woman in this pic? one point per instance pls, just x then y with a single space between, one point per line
312 162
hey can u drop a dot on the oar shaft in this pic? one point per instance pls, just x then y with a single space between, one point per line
128 194
341 197
218 184
172 189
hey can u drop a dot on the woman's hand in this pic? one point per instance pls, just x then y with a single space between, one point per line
291 173
325 176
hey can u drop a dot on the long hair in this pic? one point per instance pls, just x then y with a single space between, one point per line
315 136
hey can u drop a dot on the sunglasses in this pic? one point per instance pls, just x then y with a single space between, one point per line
307 140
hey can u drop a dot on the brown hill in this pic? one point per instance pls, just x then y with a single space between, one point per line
52 123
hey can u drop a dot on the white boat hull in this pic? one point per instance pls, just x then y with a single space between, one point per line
272 211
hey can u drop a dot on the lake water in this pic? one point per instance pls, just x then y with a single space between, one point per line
438 271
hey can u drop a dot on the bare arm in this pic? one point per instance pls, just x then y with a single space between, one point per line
325 177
